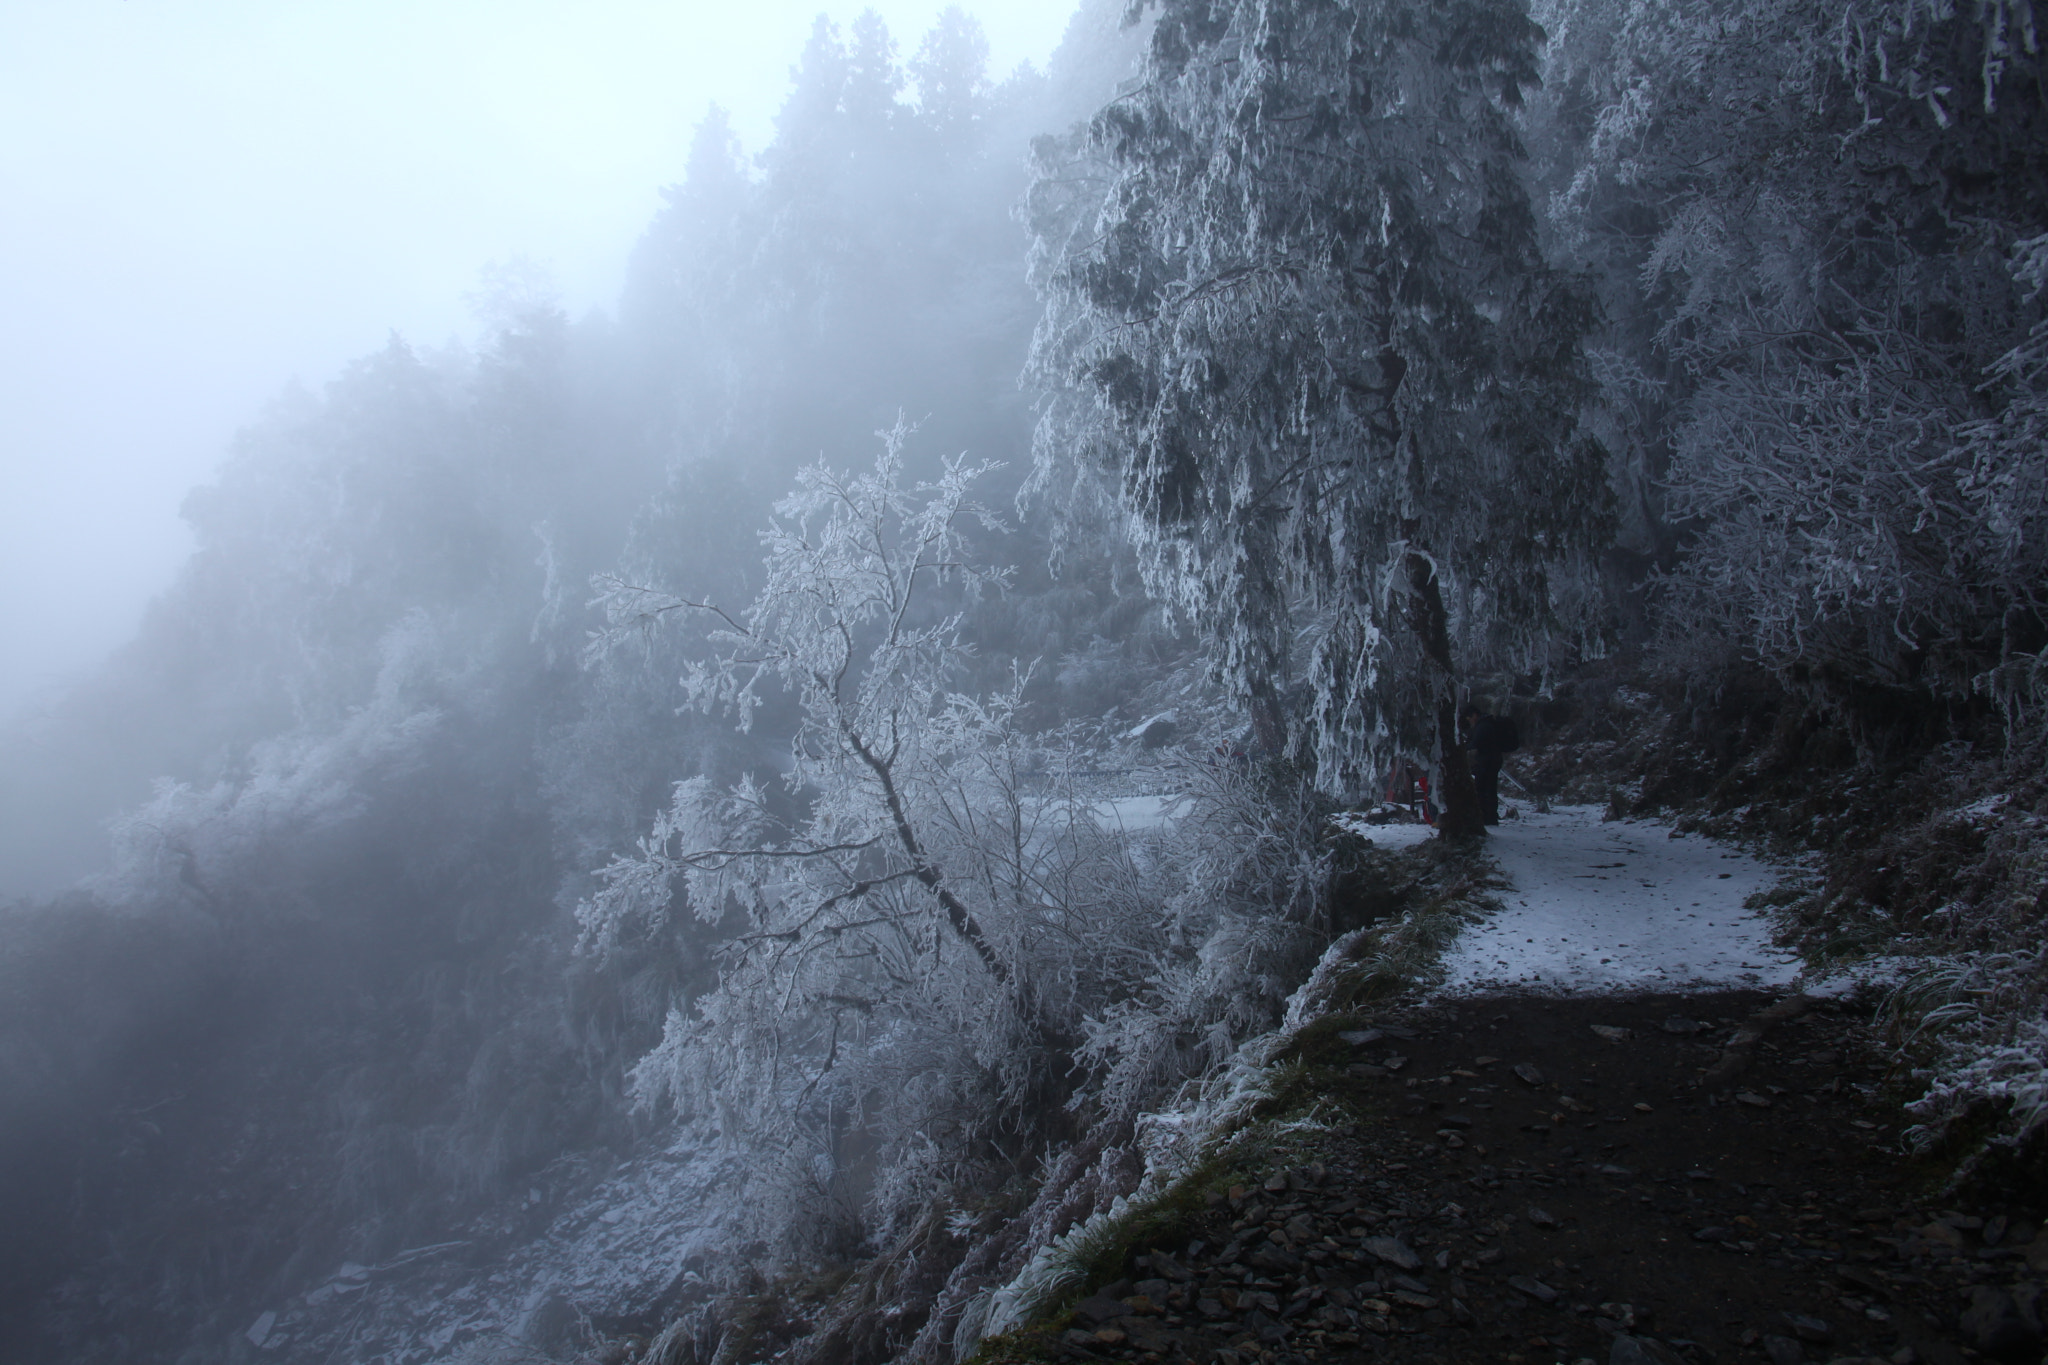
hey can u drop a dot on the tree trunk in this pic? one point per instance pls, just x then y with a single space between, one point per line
1462 818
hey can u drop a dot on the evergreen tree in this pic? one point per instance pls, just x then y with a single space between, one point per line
1309 344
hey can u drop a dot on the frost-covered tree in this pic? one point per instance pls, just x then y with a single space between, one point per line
904 901
1812 222
932 949
1299 330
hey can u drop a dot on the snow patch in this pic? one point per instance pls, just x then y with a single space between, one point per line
1620 905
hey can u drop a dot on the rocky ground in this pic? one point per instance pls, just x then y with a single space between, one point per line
1710 1178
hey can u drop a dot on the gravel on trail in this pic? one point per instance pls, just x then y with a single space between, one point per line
1535 1179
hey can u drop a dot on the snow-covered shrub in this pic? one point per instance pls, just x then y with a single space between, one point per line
931 911
1982 1014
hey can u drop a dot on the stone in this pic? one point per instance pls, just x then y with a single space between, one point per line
1541 1218
1941 1234
1752 1099
1533 1288
1098 1308
1147 1335
1680 1025
1527 1073
1809 1328
1611 1033
1633 1350
1714 1235
1391 1251
1994 1325
1166 1267
1782 1350
2037 1253
1359 1037
1994 1231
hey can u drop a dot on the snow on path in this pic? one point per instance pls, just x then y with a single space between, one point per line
1617 906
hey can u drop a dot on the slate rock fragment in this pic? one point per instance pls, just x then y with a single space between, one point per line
1994 1324
1633 1350
1391 1251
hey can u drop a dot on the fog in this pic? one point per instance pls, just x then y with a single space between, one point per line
207 203
669 664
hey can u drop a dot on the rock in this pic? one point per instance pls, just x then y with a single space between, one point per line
1155 731
1532 1288
1151 1291
1631 1350
1611 1033
259 1330
1752 1099
1863 1281
1359 1037
1994 1231
1454 1121
1679 1025
1528 1074
1166 1267
1808 1328
1541 1218
2037 1252
1994 1325
1099 1309
1782 1350
1941 1234
1147 1335
1714 1235
1391 1251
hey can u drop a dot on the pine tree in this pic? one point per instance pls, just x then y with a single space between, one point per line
1310 346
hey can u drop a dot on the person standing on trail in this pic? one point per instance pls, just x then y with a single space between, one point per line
1490 738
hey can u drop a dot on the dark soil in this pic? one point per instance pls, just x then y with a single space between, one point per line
1496 1181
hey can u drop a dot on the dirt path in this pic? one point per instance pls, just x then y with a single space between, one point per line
1558 1158
1510 1184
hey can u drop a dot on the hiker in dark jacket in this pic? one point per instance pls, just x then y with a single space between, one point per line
1490 738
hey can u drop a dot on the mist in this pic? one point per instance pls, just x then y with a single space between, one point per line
208 205
690 685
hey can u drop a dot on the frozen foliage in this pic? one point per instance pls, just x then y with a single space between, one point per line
929 913
1982 1013
1300 336
1817 229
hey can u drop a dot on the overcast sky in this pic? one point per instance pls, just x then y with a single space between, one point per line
201 200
